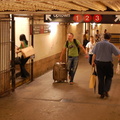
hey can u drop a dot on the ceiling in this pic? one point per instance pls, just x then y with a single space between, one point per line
59 6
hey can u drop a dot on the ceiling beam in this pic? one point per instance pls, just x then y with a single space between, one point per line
55 0
60 12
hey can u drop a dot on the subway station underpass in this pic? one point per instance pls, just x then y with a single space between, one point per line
46 24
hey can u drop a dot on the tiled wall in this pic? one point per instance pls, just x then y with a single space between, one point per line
44 65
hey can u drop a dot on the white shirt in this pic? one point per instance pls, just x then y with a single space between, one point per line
90 46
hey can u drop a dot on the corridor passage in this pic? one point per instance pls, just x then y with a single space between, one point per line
43 99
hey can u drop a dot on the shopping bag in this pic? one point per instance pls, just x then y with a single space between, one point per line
118 68
92 82
28 51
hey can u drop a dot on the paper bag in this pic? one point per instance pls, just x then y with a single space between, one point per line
28 51
92 82
118 69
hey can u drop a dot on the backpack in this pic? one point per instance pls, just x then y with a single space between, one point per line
75 41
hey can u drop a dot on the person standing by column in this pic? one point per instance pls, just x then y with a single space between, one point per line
102 35
85 38
73 55
89 47
97 36
102 58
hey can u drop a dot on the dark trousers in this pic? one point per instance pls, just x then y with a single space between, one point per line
105 74
90 58
24 72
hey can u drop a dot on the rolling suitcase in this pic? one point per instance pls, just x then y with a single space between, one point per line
59 72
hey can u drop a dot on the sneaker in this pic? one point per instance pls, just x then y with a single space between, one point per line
71 83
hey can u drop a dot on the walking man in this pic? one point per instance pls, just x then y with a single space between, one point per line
102 57
73 46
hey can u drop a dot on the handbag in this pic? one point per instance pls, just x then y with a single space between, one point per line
92 82
28 51
118 68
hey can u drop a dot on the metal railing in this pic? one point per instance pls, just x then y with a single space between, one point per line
5 59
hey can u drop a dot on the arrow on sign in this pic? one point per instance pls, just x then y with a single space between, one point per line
117 18
48 17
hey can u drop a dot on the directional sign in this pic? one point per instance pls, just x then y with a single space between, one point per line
48 17
117 18
39 29
112 19
97 18
68 18
58 18
87 18
78 18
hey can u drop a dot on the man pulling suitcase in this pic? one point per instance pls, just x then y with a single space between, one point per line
73 55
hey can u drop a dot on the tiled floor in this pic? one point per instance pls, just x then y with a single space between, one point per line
43 99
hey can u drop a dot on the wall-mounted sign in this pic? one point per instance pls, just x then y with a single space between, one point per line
58 18
40 29
78 18
97 18
86 18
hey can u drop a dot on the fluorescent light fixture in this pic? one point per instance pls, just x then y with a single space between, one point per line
74 23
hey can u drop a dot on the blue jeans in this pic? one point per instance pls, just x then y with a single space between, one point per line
72 66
